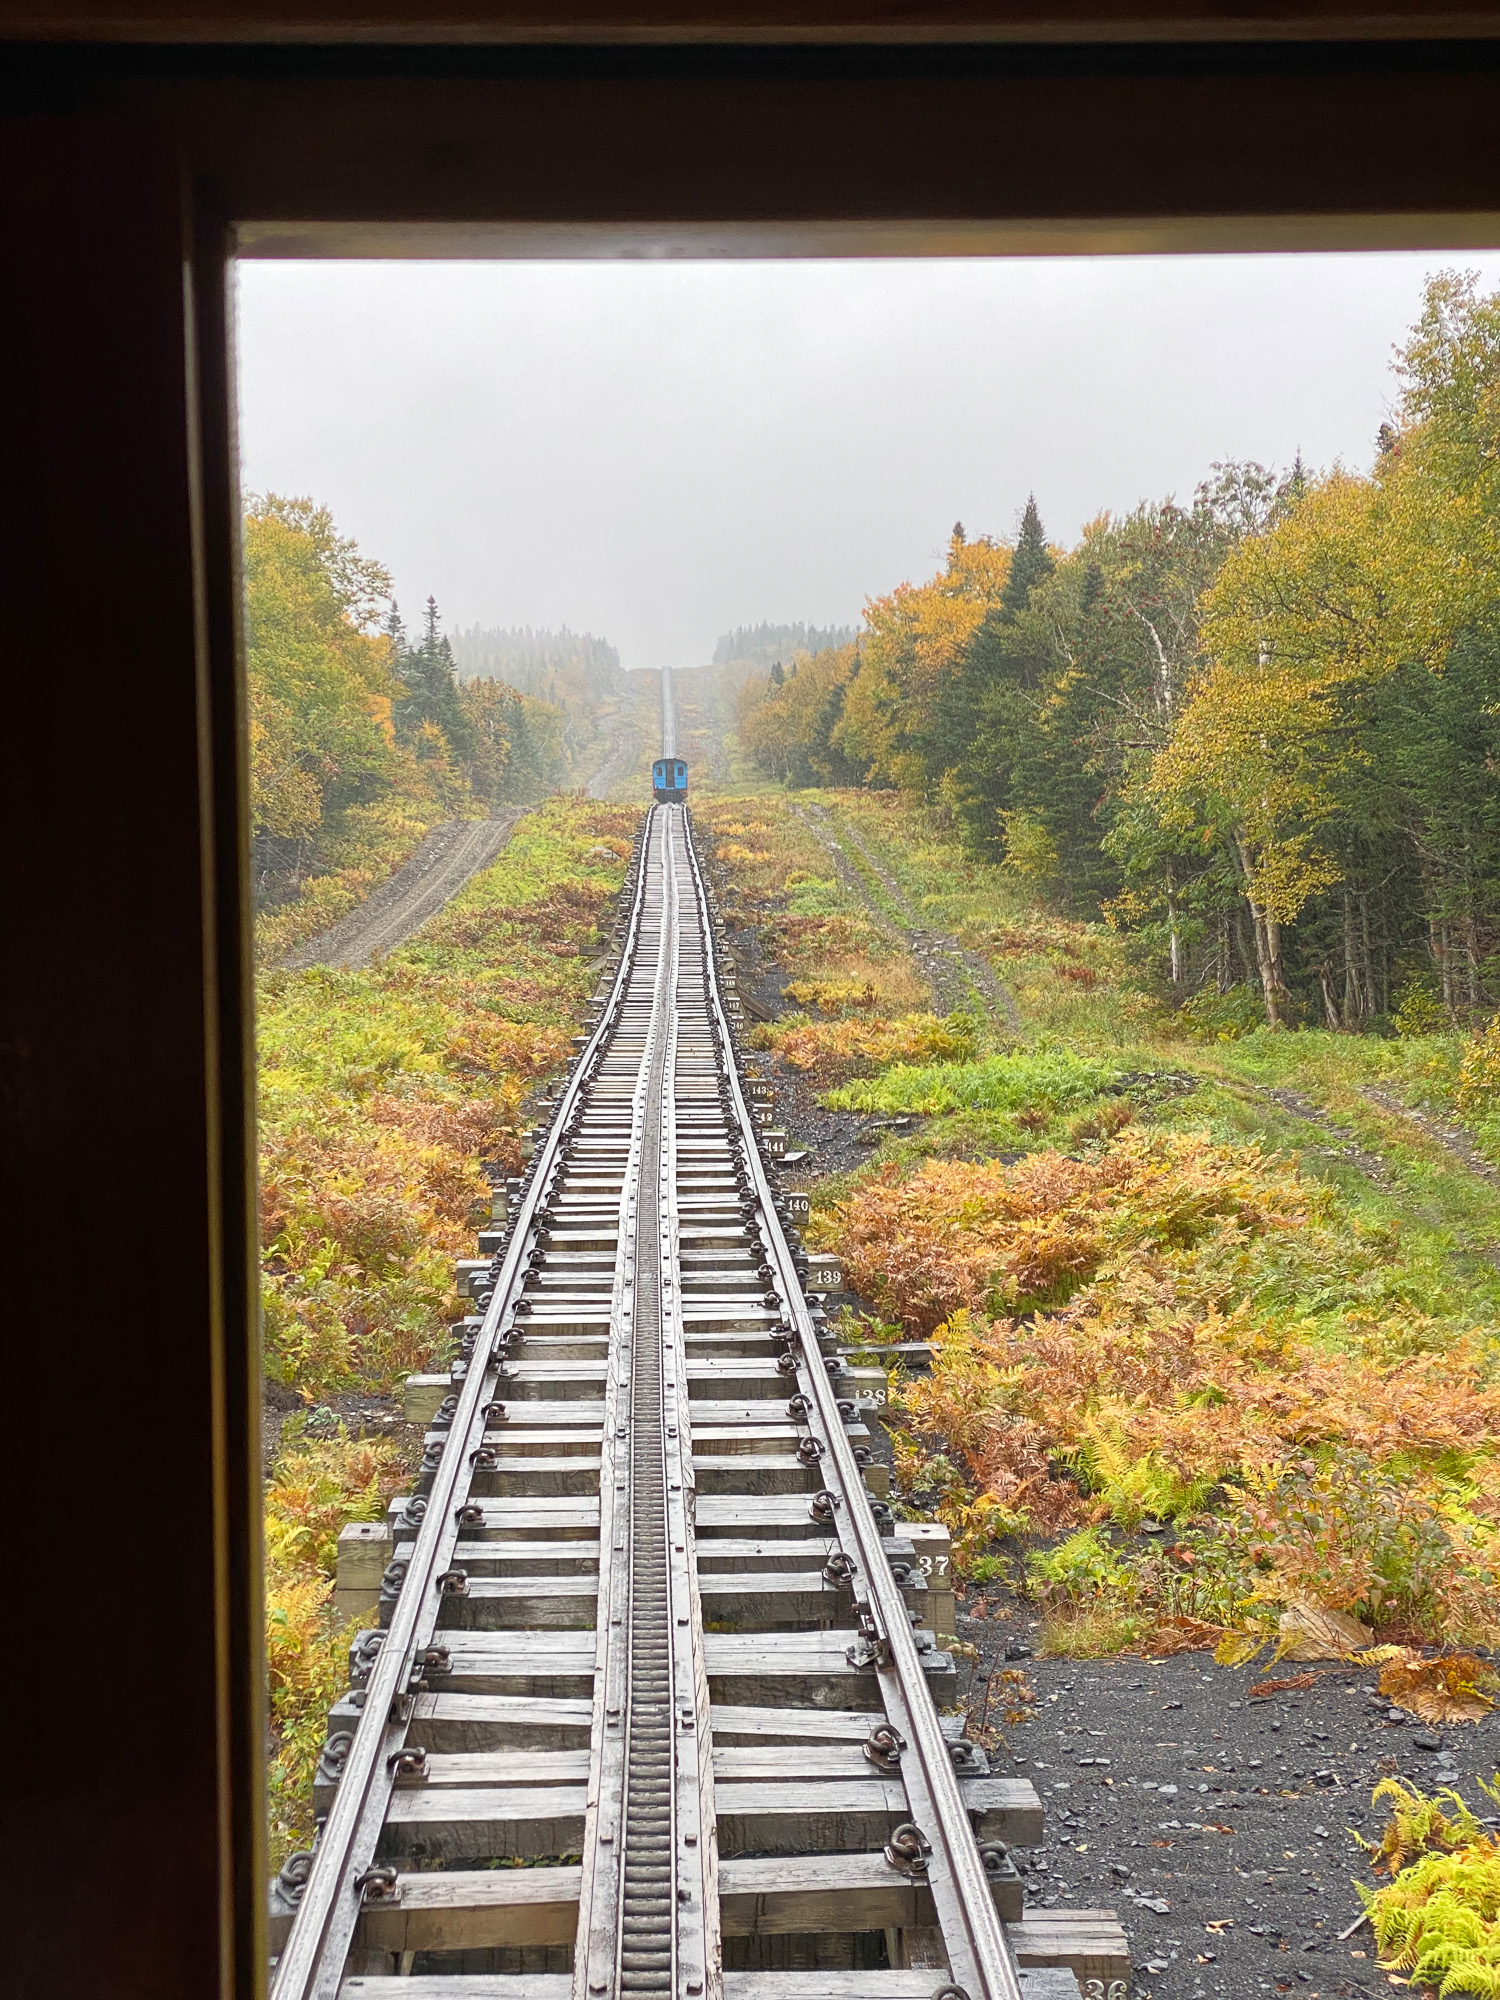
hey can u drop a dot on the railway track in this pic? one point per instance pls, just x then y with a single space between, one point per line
643 1628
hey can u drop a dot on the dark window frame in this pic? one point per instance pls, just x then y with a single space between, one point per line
128 179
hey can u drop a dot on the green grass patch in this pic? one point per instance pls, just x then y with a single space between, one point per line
1044 1080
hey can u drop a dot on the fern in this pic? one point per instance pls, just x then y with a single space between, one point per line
1132 1486
1438 1919
1080 1565
1419 1825
1437 1922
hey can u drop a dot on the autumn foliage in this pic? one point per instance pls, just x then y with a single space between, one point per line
389 1098
985 1236
1117 1338
382 1092
830 1052
1256 730
317 1486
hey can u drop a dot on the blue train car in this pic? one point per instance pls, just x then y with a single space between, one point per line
669 781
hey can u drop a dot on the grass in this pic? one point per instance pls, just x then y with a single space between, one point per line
382 1091
1039 1080
1086 1632
374 841
777 875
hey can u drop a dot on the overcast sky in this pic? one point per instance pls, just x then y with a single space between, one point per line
656 452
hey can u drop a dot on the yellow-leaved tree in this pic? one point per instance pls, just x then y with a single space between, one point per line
320 682
1296 616
1358 580
913 637
788 717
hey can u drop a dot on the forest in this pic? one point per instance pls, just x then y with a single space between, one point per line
1256 731
768 645
362 735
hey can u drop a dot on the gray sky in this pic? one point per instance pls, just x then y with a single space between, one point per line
656 452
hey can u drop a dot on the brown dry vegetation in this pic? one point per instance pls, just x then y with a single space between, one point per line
386 1095
829 1052
1119 1336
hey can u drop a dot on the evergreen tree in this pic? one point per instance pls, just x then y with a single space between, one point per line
395 631
1031 563
432 689
982 715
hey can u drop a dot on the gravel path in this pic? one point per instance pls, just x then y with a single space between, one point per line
1374 1166
1218 1826
1451 1137
445 860
1344 1144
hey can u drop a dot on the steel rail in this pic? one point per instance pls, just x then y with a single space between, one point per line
648 1916
701 1938
603 1848
668 715
311 1965
979 1957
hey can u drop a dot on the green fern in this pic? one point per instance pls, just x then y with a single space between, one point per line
1438 1920
1082 1564
1420 1825
1131 1489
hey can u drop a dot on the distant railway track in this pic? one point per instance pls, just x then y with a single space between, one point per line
643 1626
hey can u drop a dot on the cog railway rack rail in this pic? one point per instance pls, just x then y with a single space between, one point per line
650 1709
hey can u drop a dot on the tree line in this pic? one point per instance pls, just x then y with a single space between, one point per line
577 674
1259 732
767 645
351 715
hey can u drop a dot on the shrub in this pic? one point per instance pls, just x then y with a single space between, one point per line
1420 1011
1212 1016
1349 1535
1119 1336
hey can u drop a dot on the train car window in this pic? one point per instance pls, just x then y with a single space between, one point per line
409 752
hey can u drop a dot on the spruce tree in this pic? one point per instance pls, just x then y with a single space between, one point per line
395 631
432 690
1030 565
